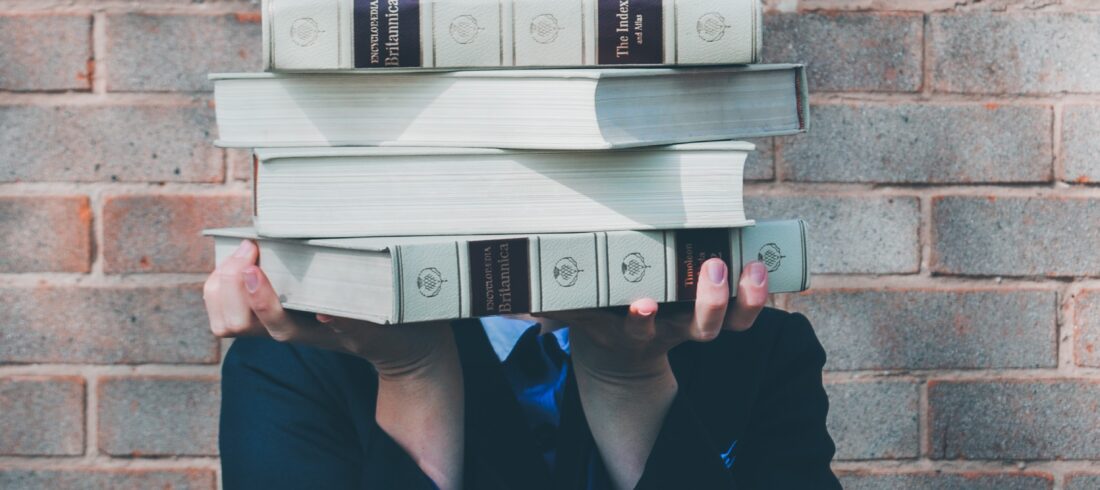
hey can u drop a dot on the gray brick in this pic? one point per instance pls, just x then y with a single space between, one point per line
874 420
1017 52
761 163
876 329
115 479
851 234
853 51
46 52
1014 420
1080 146
1082 481
112 143
1086 342
923 143
108 325
163 233
41 416
947 481
176 52
159 416
1016 236
45 234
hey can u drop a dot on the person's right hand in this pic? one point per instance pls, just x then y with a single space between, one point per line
241 302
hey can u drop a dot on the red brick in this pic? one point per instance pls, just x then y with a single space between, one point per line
108 143
45 234
162 233
41 416
46 52
1016 236
176 52
239 163
1086 338
105 325
158 416
858 51
1015 53
115 479
971 480
1014 419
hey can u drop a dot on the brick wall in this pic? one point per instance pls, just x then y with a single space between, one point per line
947 179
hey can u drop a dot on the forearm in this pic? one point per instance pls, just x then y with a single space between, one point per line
422 409
625 415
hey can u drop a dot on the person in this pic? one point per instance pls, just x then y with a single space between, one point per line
703 395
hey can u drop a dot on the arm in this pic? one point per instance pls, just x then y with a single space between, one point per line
624 379
420 394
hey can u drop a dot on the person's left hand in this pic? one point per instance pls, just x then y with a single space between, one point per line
611 346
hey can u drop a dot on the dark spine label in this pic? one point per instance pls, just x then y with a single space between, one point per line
630 32
693 247
500 277
387 33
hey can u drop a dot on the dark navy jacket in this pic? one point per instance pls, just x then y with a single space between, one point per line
750 413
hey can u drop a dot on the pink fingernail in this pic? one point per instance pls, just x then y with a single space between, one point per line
716 271
757 273
646 310
324 318
242 251
251 280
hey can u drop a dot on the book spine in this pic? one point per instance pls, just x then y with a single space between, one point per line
345 34
557 272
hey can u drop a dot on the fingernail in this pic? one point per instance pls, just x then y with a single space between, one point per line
324 318
251 280
757 273
242 251
646 310
716 271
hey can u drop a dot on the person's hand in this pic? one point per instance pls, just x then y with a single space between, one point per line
241 302
614 345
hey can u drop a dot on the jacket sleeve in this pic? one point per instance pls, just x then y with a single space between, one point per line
295 417
750 413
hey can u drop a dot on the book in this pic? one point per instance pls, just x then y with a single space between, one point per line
392 191
595 108
413 279
347 34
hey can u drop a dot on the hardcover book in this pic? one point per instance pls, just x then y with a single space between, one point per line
523 109
391 191
413 279
347 34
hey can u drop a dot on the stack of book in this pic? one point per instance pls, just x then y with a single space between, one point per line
407 169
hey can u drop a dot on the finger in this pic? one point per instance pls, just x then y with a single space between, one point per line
712 297
237 317
211 297
264 303
752 294
640 323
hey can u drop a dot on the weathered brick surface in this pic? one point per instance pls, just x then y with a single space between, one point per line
851 234
41 416
121 325
874 420
162 233
1017 420
45 234
1016 236
239 163
46 52
947 481
1082 481
1086 344
761 163
875 329
116 479
849 51
1017 52
176 52
923 143
108 143
1080 146
158 416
